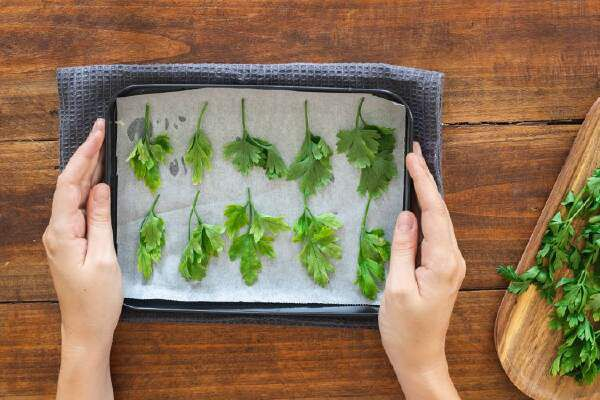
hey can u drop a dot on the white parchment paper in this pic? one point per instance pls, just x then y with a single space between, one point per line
277 116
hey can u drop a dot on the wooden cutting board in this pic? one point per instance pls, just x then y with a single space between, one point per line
525 345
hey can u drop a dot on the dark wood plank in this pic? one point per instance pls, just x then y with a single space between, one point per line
504 61
187 360
28 171
497 181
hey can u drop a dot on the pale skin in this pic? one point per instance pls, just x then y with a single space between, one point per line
413 318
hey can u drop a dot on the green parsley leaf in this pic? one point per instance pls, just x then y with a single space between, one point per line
151 241
199 151
312 165
374 252
376 178
319 244
204 242
258 239
249 151
148 153
369 148
360 146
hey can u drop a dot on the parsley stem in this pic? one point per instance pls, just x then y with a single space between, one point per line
151 211
306 208
576 202
192 212
147 122
581 208
202 111
306 129
359 112
154 202
245 131
364 218
251 208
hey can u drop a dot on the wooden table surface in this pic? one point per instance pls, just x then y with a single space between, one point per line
520 76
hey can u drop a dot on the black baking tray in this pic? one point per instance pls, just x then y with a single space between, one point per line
241 308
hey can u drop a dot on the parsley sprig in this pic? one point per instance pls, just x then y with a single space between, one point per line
312 165
205 241
566 275
258 239
370 148
373 253
316 233
149 153
249 151
151 241
199 151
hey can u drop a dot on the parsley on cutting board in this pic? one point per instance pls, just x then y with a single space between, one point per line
567 275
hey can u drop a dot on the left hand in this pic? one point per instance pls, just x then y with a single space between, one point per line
81 253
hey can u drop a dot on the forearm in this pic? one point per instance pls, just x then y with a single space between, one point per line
84 371
432 384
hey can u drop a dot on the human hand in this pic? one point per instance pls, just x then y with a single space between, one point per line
417 303
84 267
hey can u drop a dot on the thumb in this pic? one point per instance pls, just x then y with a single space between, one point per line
401 277
99 226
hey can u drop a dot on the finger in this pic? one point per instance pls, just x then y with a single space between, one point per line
68 196
417 149
99 227
401 277
84 160
435 219
99 170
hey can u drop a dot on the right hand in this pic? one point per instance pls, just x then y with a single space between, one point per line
417 303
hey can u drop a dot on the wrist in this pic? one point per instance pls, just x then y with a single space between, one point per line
85 348
84 368
430 381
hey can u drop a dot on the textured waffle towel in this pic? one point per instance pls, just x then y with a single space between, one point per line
85 93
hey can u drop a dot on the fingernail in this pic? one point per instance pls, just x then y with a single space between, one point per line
417 148
98 126
101 192
405 222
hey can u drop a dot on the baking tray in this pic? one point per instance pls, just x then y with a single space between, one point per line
241 308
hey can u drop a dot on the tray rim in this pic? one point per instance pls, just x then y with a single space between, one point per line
242 308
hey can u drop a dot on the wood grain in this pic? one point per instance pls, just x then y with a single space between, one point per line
188 360
525 344
504 61
497 180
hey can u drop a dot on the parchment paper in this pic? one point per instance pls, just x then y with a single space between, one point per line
278 117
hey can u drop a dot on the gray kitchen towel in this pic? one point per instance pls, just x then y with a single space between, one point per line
85 93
